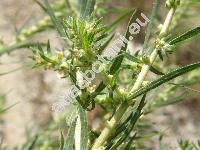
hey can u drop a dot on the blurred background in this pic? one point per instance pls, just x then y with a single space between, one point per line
26 94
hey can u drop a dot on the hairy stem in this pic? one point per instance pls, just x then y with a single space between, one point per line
110 125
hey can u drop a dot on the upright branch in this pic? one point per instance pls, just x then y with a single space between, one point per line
111 124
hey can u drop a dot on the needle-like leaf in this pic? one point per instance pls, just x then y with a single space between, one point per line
165 78
32 144
114 68
156 71
9 107
105 44
8 49
57 23
120 18
41 5
131 57
69 143
185 36
170 101
150 25
117 63
82 5
84 128
134 118
89 8
48 47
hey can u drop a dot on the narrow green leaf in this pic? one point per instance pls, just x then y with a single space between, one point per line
132 58
197 144
126 67
160 55
40 49
150 25
61 141
102 36
41 5
89 8
121 126
9 107
128 145
32 144
71 114
110 94
136 53
113 68
119 59
134 118
116 64
120 18
99 88
170 101
10 48
105 44
185 36
185 87
185 144
160 145
82 5
24 24
114 79
48 59
69 143
146 136
84 128
48 47
169 76
57 23
156 71
37 65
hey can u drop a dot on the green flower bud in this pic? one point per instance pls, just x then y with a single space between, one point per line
63 65
59 55
160 42
146 59
172 3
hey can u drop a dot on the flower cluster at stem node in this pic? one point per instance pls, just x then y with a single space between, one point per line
172 3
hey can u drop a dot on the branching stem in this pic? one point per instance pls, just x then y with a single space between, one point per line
110 125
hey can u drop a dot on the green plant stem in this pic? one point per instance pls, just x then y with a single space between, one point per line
145 68
110 125
12 47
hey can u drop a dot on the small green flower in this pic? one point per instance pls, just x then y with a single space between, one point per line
172 3
146 59
59 55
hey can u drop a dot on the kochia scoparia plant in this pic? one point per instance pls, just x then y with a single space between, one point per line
86 38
